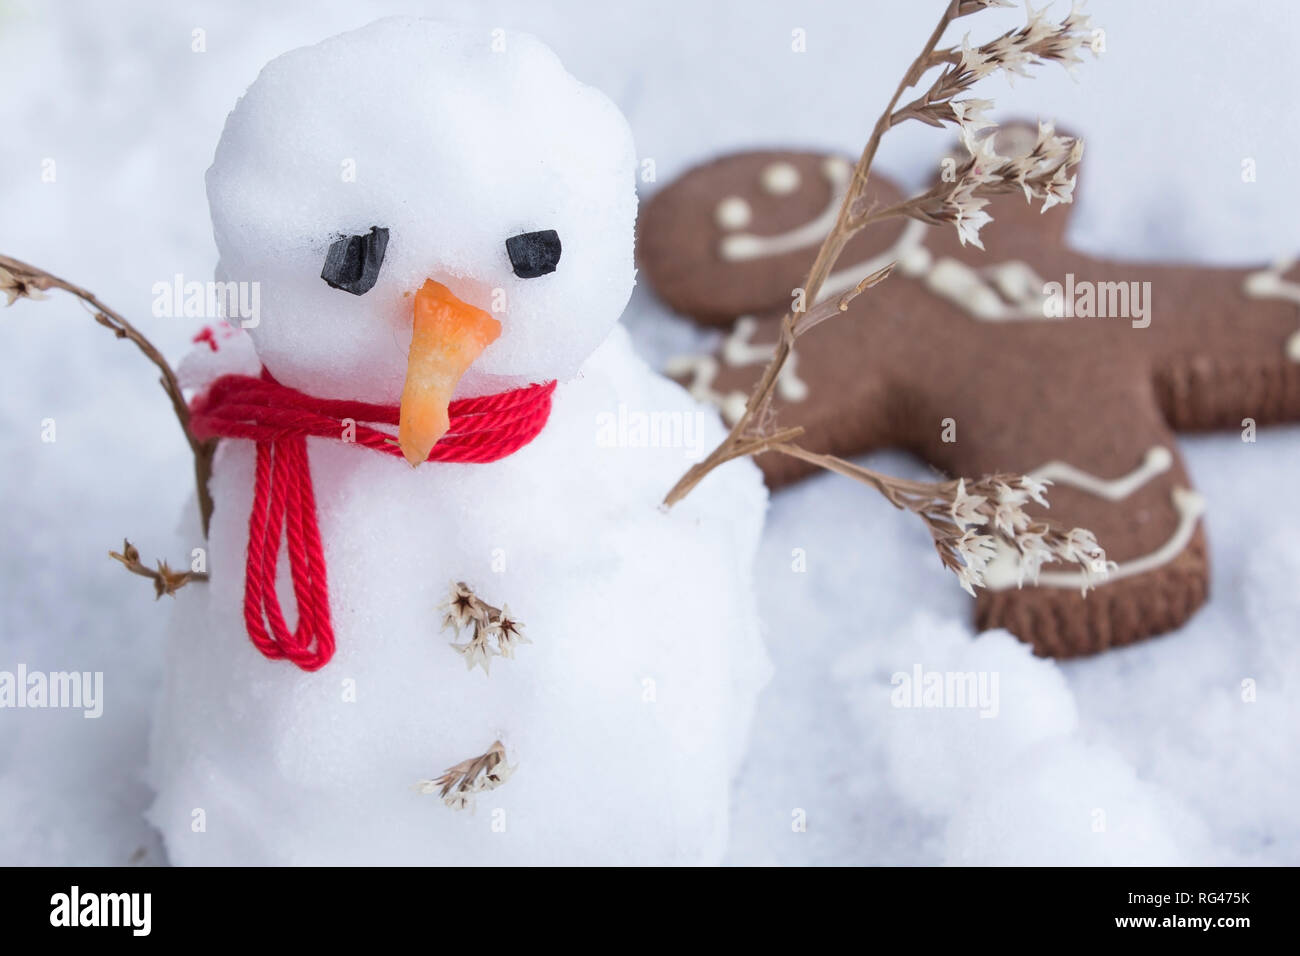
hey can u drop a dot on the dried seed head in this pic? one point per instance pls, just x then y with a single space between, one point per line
971 522
478 652
458 785
508 632
465 609
17 287
966 508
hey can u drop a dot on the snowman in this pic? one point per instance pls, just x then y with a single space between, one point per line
440 229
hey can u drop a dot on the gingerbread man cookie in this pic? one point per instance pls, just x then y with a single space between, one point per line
1030 359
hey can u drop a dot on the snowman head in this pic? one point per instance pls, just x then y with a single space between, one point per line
429 212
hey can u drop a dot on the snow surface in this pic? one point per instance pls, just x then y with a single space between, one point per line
1148 755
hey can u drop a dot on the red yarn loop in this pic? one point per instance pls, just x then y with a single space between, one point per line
280 419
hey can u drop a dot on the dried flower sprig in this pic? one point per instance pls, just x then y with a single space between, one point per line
1038 41
18 280
18 285
974 524
1045 173
459 785
165 580
486 623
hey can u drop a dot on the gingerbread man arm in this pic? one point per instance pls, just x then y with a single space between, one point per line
848 406
1223 344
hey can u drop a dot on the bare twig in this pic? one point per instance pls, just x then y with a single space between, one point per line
1045 173
807 321
165 580
20 280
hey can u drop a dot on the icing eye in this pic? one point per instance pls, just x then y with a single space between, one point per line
733 213
534 254
352 262
780 179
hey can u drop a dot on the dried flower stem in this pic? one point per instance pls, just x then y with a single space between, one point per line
972 525
19 281
165 580
745 437
950 511
891 488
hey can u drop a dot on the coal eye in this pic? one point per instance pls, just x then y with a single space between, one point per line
352 263
534 254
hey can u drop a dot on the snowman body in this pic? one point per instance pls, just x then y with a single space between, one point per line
625 716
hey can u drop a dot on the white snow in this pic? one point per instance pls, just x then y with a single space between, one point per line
1163 743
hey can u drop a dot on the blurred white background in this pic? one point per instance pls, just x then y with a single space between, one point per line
114 94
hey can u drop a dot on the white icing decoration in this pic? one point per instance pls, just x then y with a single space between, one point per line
737 351
1016 291
961 284
1018 282
1002 572
733 213
780 179
703 370
1269 284
953 280
743 245
1157 461
1012 289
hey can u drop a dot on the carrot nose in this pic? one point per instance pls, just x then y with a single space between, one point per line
448 335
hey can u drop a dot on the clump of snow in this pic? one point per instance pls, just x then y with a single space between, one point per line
983 736
954 714
1183 743
625 717
1067 803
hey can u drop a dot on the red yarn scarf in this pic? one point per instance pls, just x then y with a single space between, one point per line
280 419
